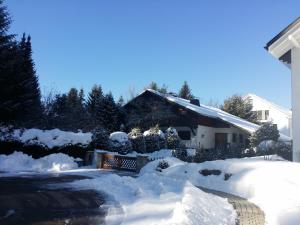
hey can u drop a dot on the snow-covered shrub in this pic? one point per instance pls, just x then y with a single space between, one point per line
162 140
267 131
266 147
172 138
284 149
119 142
100 138
180 154
137 140
152 139
162 165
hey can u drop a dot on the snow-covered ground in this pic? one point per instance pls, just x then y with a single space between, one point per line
170 196
274 185
153 198
20 162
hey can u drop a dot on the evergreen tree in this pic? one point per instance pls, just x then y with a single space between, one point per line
81 97
58 114
8 52
95 100
6 40
121 101
267 132
94 106
153 85
30 92
237 106
20 101
109 113
185 92
163 89
67 111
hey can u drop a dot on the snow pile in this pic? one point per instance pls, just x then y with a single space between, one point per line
119 136
272 185
163 153
150 132
49 138
153 198
18 161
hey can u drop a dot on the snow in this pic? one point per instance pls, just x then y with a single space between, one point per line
148 132
191 152
153 198
273 184
119 136
20 162
214 113
49 138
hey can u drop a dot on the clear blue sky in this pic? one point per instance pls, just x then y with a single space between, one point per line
217 46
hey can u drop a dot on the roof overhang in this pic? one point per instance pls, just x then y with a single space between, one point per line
280 46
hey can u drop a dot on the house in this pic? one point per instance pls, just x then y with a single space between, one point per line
270 112
198 125
285 46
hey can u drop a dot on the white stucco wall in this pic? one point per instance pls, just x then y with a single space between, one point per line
206 135
295 66
277 114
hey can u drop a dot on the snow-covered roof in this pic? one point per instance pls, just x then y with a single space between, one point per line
285 111
212 112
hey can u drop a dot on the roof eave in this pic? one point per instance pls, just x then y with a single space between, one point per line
287 39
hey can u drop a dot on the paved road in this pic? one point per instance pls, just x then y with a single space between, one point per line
28 200
248 213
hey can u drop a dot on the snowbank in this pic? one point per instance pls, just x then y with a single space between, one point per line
272 185
20 162
119 136
49 138
153 198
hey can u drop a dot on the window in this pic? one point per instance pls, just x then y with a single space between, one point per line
233 138
241 137
267 113
184 135
259 114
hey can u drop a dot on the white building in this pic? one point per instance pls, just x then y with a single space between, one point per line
270 112
285 46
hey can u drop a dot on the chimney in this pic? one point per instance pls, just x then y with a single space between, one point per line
195 101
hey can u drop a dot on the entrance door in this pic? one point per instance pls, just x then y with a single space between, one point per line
220 140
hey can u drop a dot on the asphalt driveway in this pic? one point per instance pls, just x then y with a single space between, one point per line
29 200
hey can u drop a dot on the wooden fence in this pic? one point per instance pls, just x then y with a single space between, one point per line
106 160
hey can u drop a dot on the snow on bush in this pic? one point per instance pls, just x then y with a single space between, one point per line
119 142
153 198
48 138
154 139
272 185
267 146
19 161
137 140
172 138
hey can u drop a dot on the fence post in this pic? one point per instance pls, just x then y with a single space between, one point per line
88 159
99 159
141 161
